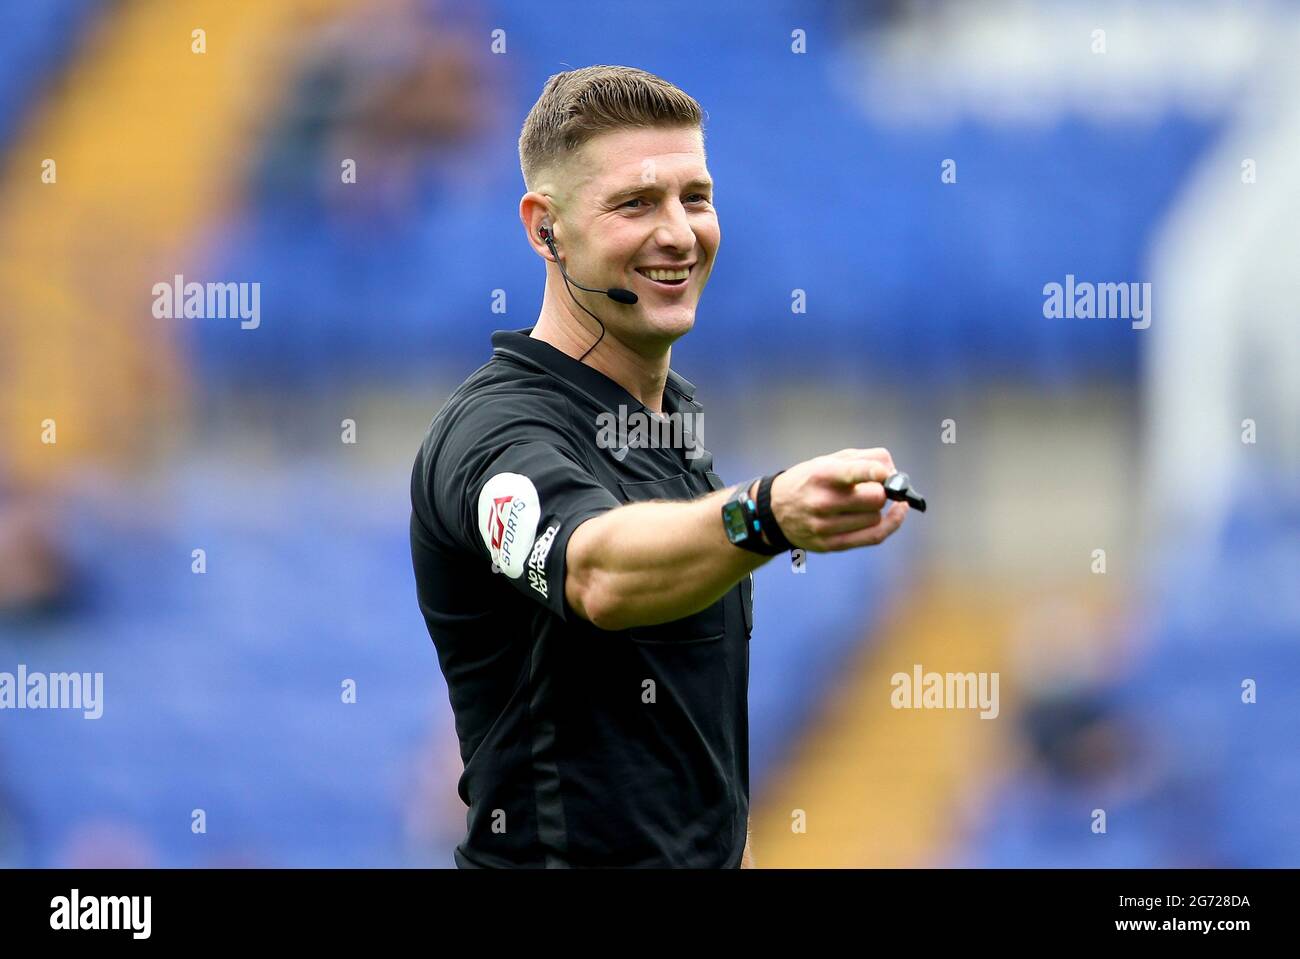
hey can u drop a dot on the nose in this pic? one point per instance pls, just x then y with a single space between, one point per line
673 231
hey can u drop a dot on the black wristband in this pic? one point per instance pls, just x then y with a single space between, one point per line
741 523
766 519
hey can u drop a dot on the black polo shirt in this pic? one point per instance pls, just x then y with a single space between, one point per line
582 747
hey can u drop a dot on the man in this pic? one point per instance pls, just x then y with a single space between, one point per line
590 597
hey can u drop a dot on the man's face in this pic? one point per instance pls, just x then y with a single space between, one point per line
643 199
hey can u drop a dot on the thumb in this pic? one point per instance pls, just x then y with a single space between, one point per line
854 471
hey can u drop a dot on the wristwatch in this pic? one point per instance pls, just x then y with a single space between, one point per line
745 520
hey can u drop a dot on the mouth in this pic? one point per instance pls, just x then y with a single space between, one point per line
667 276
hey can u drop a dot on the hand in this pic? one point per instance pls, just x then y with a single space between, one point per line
836 502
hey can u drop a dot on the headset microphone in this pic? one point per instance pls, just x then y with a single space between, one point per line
620 295
615 293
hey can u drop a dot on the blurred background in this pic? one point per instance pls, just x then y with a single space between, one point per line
919 171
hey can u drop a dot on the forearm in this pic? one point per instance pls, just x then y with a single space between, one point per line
747 858
648 563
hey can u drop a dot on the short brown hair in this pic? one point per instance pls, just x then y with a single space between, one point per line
580 104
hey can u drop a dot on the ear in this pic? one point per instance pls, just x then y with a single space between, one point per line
535 214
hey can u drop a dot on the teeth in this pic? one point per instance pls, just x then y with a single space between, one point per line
665 274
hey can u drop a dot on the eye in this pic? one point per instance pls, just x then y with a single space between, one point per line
636 199
702 197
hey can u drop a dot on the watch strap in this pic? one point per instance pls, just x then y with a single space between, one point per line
753 541
766 518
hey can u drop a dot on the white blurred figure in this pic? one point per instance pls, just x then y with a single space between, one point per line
1224 342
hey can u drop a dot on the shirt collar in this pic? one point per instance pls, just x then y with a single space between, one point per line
678 391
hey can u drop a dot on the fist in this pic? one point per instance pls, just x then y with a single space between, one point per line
837 501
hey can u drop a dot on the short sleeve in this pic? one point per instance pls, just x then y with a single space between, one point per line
512 494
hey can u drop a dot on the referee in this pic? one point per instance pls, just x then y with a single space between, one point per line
588 586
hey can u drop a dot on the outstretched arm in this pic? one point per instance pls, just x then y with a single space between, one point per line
648 563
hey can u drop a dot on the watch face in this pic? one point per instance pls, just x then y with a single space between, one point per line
733 517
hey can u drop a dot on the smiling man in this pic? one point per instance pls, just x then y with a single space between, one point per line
591 602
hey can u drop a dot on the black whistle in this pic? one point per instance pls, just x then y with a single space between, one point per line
899 487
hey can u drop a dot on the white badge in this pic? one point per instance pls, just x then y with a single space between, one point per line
508 512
